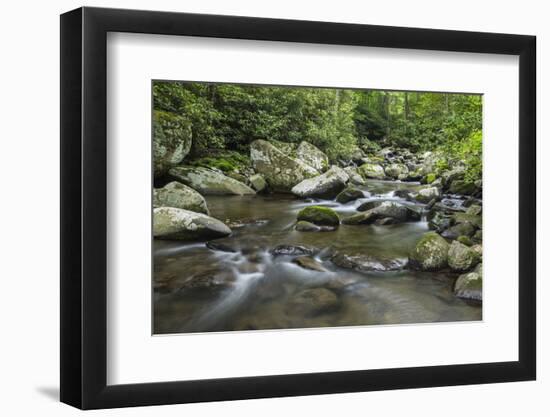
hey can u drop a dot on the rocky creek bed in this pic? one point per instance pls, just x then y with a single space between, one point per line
382 263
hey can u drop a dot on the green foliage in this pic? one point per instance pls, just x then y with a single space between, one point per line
231 116
226 161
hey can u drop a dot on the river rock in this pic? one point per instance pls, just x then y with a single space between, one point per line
349 194
469 286
312 156
397 211
395 170
326 186
281 171
179 224
463 187
320 216
367 263
461 257
472 219
478 236
313 301
171 141
175 194
425 195
292 250
207 181
430 253
210 281
354 177
369 205
258 182
307 262
461 229
373 171
474 210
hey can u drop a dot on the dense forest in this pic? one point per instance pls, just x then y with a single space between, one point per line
337 121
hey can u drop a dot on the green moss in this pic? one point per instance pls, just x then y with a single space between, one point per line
465 240
430 178
226 161
318 215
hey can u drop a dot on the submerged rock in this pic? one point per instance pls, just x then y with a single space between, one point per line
307 262
373 171
208 181
349 194
292 250
281 171
175 194
179 224
320 216
326 186
171 140
312 156
313 301
367 263
430 253
211 280
462 258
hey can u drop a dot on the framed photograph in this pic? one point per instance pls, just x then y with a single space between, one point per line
258 208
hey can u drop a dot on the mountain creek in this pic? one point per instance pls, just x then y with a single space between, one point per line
264 275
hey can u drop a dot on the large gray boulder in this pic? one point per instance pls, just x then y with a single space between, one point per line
430 253
258 182
312 156
462 258
326 185
178 195
281 171
397 212
171 141
207 181
179 224
373 171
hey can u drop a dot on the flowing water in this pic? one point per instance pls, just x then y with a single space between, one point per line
255 290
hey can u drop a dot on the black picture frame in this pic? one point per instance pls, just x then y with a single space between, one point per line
84 207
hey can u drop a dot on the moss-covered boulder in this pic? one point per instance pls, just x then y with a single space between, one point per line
312 156
460 229
171 141
430 253
465 240
428 179
281 171
320 216
427 194
326 186
349 194
208 182
396 170
469 286
474 220
462 258
179 224
374 171
175 194
474 210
